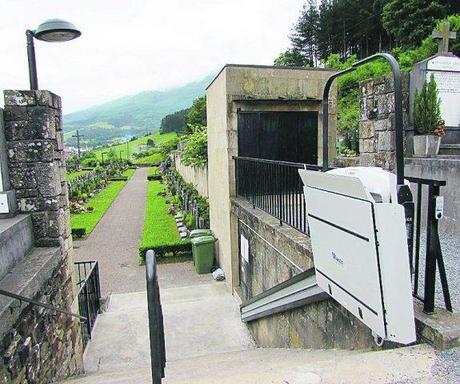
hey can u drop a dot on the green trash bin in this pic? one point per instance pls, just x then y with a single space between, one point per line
201 232
203 253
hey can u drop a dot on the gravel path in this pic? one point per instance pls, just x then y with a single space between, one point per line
450 246
115 240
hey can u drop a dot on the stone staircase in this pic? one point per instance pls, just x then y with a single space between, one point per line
24 268
206 342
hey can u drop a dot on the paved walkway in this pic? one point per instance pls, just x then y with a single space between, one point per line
115 240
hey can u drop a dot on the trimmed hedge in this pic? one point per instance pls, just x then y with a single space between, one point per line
119 178
184 249
78 232
153 177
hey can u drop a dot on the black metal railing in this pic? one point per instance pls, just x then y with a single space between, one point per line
276 188
156 328
89 295
37 303
427 232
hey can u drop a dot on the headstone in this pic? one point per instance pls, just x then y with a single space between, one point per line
445 67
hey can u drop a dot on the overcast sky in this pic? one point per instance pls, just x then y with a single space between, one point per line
128 46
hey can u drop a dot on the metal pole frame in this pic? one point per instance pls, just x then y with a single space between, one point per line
33 79
403 191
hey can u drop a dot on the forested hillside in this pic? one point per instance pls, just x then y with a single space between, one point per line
337 33
129 116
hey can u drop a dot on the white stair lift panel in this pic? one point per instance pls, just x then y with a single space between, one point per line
360 252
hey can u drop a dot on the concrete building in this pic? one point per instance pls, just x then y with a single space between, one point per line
240 89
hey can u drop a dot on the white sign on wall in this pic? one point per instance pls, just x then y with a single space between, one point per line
446 71
244 247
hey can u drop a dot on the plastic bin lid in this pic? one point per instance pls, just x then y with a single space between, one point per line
203 240
201 232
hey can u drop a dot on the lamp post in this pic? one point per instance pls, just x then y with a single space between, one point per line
53 31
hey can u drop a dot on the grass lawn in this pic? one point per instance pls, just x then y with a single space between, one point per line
101 202
73 175
155 158
132 145
129 173
153 171
160 231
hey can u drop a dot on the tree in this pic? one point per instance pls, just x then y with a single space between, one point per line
196 115
150 143
410 21
174 122
290 58
427 110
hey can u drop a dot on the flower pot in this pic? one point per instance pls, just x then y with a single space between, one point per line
426 145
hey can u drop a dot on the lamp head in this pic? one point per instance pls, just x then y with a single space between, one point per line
56 30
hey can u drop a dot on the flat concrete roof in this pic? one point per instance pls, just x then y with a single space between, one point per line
269 67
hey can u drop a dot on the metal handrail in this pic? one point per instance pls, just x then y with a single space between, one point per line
39 304
155 312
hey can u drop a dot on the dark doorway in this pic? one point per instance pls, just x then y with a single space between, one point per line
287 136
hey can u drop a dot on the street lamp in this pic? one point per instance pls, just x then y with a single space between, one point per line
52 31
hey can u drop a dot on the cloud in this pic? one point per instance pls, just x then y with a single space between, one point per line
130 46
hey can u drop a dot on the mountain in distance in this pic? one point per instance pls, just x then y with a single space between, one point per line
129 116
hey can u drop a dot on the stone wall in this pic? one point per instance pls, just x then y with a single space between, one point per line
324 324
37 345
198 176
440 169
377 124
41 346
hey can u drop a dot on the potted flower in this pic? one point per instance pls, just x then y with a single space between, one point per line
429 128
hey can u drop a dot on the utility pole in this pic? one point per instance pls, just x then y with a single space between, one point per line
78 143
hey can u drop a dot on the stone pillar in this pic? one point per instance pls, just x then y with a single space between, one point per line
35 144
37 346
376 126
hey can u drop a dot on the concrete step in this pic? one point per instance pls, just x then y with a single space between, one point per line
450 149
199 320
263 366
16 240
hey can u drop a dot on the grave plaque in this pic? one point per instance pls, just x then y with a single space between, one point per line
446 71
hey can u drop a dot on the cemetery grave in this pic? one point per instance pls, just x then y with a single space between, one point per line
86 213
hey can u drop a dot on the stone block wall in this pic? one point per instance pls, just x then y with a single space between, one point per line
41 346
377 124
320 325
35 144
37 345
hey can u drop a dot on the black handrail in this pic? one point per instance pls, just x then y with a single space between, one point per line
156 329
89 295
40 304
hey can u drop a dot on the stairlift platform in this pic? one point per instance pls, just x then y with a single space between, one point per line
359 243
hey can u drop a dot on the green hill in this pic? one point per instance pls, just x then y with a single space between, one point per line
135 115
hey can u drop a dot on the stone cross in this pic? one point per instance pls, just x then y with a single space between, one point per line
443 36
